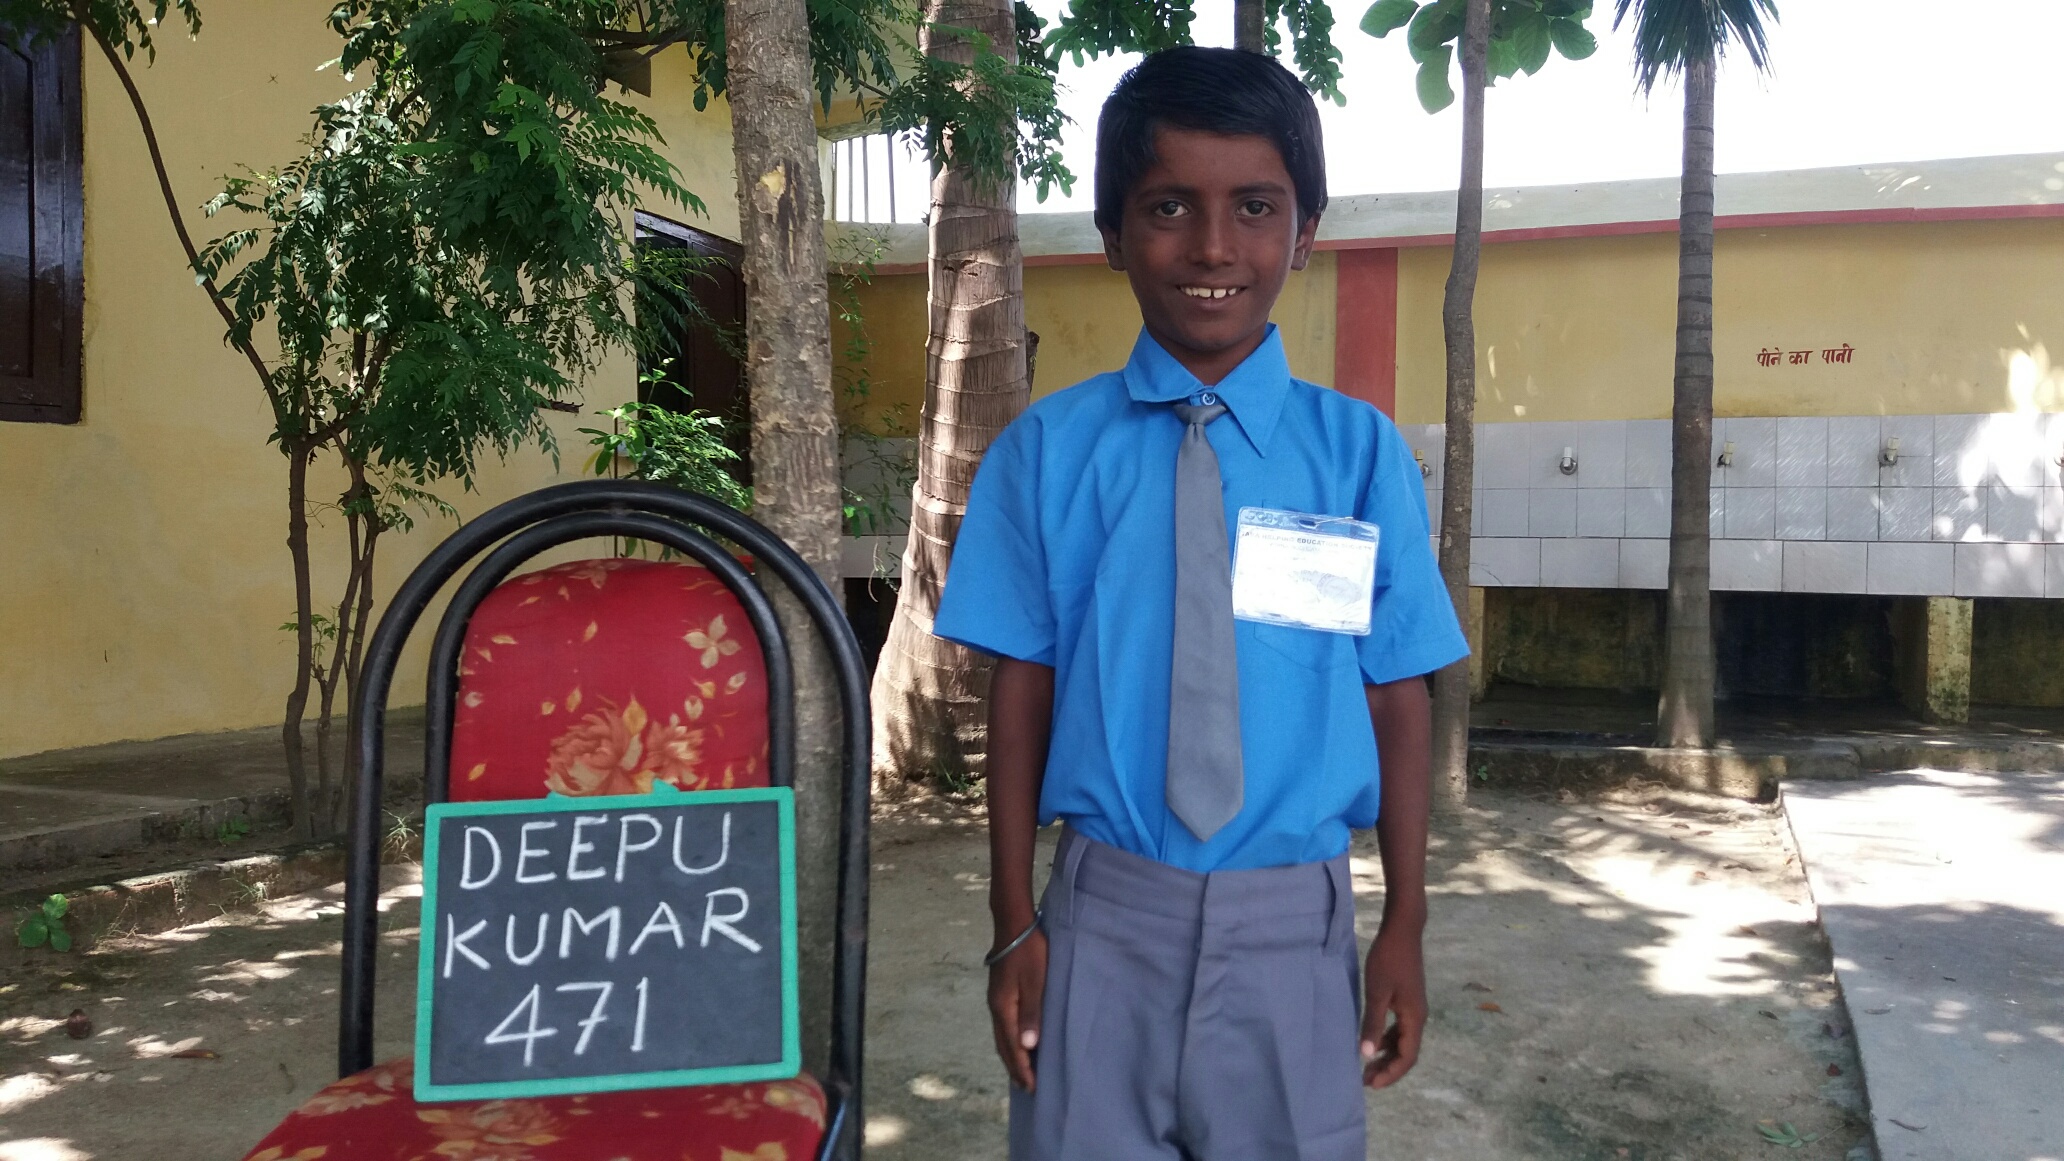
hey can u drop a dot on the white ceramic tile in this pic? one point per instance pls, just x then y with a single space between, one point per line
1999 570
1601 512
2016 451
1959 514
1751 513
2052 440
1748 566
1852 514
1580 564
1825 566
1552 512
1916 466
1602 454
1648 512
1645 564
1716 525
1853 451
1505 562
1501 455
1801 452
1914 570
2052 514
1960 459
1545 445
1648 453
2013 514
1801 513
2053 569
1504 511
1755 451
1906 513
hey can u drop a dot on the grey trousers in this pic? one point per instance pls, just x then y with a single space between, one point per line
1194 1017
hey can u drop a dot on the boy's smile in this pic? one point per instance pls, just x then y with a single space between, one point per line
1209 234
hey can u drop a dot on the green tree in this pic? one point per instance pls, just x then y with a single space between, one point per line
1498 39
1689 38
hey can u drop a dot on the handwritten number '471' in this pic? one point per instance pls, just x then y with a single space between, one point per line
527 1010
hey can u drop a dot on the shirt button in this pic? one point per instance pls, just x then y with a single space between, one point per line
1208 399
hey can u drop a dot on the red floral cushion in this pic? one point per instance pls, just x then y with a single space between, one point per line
372 1116
604 677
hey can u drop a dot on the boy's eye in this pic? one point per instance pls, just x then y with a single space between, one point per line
1255 207
1169 209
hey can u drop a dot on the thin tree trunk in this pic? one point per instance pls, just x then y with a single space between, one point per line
304 643
929 693
1250 25
1684 715
795 430
1458 472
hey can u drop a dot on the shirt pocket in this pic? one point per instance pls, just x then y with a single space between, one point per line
1313 649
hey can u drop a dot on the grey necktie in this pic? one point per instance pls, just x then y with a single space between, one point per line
1204 767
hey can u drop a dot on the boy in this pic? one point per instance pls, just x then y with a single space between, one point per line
1207 726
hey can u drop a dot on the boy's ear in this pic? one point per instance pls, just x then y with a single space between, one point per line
1112 253
1307 234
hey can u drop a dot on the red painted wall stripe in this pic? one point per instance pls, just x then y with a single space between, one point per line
1365 327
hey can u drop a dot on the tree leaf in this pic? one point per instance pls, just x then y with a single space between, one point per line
1387 16
1435 93
1572 39
1502 60
1434 26
60 939
56 906
33 931
1531 43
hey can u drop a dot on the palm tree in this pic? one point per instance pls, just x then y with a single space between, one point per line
1689 37
930 694
1250 25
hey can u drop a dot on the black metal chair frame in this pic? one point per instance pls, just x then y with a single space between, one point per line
519 530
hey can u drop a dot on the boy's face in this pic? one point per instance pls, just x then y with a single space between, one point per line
1208 235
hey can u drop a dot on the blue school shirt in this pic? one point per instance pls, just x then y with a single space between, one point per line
1067 558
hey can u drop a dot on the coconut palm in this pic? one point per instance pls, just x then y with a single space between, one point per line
1688 38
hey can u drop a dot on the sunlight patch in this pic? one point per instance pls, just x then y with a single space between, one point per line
886 1131
41 1149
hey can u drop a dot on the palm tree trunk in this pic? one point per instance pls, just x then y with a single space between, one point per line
928 693
1684 716
795 430
1250 25
1458 472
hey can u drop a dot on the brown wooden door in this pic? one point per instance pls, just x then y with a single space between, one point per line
40 230
705 372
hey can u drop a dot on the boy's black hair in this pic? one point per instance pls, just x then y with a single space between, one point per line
1210 90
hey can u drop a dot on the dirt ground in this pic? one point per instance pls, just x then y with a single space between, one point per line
1630 976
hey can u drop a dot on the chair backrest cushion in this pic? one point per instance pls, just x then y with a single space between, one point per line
607 677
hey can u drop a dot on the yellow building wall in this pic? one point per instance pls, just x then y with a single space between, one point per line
1944 317
143 568
1086 320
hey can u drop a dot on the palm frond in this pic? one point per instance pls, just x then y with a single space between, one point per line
1671 34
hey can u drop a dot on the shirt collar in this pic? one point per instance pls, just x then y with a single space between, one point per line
1253 392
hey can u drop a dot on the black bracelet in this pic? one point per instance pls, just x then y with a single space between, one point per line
1002 953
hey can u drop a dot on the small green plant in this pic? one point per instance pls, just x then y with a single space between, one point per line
1483 771
46 925
233 830
682 448
1786 1135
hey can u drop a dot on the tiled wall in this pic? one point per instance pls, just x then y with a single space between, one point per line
1972 506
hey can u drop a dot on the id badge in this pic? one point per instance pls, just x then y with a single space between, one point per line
1312 572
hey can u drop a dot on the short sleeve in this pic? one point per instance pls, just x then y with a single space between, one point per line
996 599
1412 626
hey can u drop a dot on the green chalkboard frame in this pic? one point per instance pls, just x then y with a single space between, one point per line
791 1062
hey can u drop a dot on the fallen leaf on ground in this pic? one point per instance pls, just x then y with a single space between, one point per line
197 1054
78 1025
1904 1125
1834 1070
1703 834
1766 1012
1700 875
1488 1006
1680 826
1745 929
1473 986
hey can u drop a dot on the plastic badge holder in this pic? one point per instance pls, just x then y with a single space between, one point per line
1304 571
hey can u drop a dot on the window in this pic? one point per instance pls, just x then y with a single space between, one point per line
41 228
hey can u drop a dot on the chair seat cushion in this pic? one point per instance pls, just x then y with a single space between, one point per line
372 1116
605 677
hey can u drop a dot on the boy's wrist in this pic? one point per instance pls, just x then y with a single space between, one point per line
1404 910
1011 915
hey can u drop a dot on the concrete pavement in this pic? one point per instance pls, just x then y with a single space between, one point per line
1942 895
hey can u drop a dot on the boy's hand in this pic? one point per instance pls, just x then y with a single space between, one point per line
1016 987
1394 1015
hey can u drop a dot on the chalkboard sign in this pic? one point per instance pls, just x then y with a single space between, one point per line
588 944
